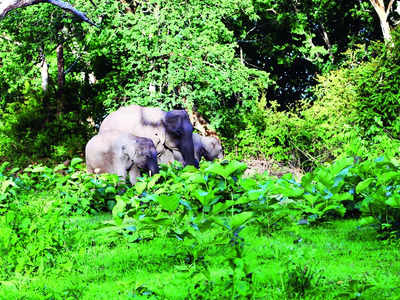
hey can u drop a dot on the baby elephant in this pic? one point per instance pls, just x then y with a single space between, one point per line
204 146
120 153
207 146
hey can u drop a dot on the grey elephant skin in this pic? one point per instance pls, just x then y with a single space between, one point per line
168 130
204 146
208 147
120 153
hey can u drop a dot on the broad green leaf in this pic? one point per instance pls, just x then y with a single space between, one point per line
342 197
168 202
204 197
153 180
140 186
393 201
216 169
118 210
306 182
312 199
287 176
38 169
197 178
254 194
367 221
388 176
363 185
248 183
59 167
110 189
337 208
75 161
227 170
5 184
220 207
240 219
13 170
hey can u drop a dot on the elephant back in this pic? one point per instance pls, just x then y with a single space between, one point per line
137 120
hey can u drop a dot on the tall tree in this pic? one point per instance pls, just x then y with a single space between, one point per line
383 14
294 40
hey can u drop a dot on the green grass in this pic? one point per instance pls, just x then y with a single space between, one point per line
327 261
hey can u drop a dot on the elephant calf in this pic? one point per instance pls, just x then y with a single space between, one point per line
207 146
204 146
120 153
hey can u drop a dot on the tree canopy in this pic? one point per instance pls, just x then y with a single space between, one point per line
226 59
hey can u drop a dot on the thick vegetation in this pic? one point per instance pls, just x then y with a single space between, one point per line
237 63
302 83
212 211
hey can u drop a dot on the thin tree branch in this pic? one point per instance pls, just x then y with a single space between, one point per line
389 8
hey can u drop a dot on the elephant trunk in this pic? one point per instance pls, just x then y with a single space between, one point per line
152 166
187 150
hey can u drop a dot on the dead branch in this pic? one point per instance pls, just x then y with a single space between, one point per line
8 5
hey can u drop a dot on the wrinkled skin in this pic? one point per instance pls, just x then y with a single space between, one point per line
120 153
169 131
204 146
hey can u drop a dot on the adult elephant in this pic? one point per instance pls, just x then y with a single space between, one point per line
169 131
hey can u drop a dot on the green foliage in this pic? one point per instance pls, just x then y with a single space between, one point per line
28 131
171 55
351 115
212 216
378 105
380 190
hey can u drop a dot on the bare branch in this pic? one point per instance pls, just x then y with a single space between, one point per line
272 10
389 8
8 5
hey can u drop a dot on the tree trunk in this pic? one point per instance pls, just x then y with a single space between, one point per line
383 14
60 78
44 71
327 42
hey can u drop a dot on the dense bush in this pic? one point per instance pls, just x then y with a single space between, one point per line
203 211
378 105
350 115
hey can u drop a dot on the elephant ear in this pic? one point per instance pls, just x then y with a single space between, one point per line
158 139
125 154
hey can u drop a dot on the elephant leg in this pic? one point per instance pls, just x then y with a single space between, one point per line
178 156
134 172
121 172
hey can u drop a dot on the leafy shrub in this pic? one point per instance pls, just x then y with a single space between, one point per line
350 114
379 187
32 130
378 86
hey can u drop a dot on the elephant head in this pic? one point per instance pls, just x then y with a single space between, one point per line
140 152
208 147
204 146
180 135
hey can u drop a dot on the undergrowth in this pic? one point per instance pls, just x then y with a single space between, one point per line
198 234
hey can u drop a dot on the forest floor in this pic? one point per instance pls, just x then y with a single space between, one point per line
335 260
273 168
